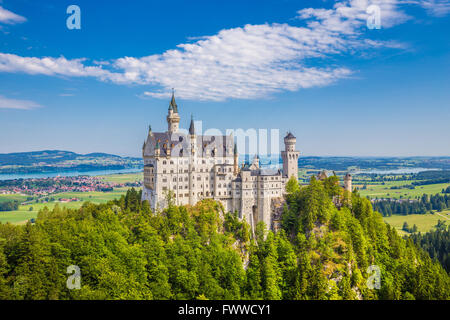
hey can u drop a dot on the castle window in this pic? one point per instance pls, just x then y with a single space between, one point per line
171 162
164 162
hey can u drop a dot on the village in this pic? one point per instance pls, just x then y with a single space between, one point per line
45 187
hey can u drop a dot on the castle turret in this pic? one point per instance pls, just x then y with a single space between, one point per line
290 156
173 119
192 136
157 149
236 160
348 182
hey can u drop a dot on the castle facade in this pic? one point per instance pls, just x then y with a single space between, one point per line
186 168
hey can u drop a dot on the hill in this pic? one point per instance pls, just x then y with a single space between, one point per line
124 251
57 160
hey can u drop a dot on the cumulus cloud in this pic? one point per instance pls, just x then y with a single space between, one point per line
239 63
9 17
6 103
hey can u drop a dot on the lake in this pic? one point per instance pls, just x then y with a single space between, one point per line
66 174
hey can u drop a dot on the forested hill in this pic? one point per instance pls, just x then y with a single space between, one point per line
199 252
51 160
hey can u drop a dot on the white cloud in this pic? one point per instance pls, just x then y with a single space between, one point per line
437 8
6 103
9 17
240 63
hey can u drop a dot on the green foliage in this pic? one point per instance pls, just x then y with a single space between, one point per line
292 185
335 245
437 244
125 251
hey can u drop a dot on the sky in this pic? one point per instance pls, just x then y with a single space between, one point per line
321 69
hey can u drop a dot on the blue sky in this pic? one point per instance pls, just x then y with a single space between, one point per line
312 67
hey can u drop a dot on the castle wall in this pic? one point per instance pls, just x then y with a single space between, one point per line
202 173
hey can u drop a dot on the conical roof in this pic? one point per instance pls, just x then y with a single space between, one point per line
191 126
173 105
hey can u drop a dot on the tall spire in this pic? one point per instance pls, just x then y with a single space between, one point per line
173 118
173 105
191 127
236 160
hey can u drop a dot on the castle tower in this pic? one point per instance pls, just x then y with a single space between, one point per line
192 136
236 160
348 182
290 156
193 187
157 149
255 163
173 118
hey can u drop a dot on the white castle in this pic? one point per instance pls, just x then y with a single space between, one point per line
190 167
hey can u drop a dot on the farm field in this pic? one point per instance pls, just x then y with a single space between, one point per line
24 213
385 191
123 177
424 222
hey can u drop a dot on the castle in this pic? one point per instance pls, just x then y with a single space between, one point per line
187 168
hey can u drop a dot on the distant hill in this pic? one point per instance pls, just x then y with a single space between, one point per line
55 160
380 163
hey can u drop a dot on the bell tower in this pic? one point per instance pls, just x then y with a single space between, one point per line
290 156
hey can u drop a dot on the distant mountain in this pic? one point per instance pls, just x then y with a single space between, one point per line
56 160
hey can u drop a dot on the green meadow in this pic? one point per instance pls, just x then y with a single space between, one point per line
424 222
24 213
123 177
385 191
